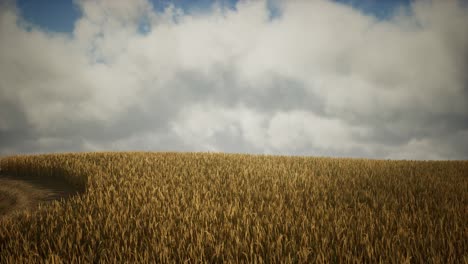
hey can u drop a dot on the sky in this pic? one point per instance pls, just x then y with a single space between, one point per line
339 78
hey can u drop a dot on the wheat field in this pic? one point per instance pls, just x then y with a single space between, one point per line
167 207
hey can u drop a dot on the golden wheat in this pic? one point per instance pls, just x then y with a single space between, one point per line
206 207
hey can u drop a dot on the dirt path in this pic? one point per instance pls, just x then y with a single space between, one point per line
25 193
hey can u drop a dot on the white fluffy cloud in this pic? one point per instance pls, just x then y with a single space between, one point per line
321 79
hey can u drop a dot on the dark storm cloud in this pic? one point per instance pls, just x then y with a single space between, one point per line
14 128
277 93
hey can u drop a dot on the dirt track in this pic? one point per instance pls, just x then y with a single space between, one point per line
25 193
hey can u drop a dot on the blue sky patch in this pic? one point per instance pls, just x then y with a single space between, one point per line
51 15
60 15
381 9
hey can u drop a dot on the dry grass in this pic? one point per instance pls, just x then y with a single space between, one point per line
202 207
25 193
16 195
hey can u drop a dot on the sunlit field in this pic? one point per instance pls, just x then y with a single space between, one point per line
209 207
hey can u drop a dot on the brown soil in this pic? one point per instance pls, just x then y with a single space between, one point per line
25 193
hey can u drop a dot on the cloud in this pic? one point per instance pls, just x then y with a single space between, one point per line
318 78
